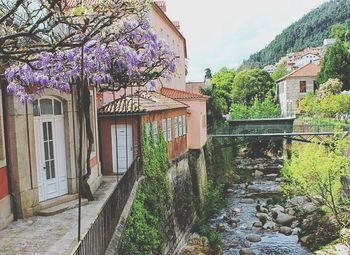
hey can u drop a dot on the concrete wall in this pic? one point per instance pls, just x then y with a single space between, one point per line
22 150
197 123
289 93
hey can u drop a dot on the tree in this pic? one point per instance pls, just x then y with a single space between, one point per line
130 56
29 27
339 32
336 65
223 81
279 72
207 76
250 84
216 106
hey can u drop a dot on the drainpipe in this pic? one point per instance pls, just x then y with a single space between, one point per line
7 153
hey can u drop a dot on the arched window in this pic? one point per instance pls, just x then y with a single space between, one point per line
47 106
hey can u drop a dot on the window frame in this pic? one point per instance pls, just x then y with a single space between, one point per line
176 127
302 87
169 130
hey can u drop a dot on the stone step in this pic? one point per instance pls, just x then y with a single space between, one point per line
61 208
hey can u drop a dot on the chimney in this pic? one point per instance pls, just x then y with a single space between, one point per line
161 5
177 24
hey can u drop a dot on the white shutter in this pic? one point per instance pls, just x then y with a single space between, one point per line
169 130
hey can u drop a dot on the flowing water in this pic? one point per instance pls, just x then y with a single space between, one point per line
234 238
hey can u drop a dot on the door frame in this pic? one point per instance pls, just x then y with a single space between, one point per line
129 144
59 148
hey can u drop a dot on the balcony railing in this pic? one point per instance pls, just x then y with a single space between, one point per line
95 241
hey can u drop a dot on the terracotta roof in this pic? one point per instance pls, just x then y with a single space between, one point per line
180 94
141 102
123 105
309 70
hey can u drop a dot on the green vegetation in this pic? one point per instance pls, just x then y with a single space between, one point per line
280 72
336 65
251 84
144 230
315 170
309 31
330 106
260 109
216 106
223 82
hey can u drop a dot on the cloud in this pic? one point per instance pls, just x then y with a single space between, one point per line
225 32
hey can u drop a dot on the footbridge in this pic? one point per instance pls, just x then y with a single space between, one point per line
279 128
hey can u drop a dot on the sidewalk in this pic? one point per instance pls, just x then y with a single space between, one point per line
54 234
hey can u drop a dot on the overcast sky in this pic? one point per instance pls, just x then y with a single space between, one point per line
224 32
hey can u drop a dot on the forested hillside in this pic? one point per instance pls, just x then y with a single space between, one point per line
309 31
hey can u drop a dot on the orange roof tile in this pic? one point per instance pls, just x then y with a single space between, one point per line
180 94
309 70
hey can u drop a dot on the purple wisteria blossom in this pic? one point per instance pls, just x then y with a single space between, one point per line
132 56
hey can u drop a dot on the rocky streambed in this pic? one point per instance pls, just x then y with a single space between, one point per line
253 223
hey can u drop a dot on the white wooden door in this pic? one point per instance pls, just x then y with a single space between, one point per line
50 155
122 147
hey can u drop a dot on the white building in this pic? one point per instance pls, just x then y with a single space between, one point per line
270 68
307 58
294 86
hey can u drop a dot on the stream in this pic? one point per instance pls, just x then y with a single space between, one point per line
237 219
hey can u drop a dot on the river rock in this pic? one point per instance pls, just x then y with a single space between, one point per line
304 239
286 230
296 231
236 210
230 191
309 207
269 225
247 201
298 201
258 174
264 210
246 251
263 217
233 220
257 224
254 238
271 176
295 224
278 208
253 189
285 219
290 211
221 227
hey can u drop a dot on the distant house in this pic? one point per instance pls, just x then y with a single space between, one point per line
326 43
295 85
121 136
270 68
306 59
197 115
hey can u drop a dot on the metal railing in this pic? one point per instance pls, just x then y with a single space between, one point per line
274 129
96 239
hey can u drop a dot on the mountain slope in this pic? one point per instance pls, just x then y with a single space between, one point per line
309 31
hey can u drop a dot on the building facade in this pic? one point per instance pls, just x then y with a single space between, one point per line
43 147
295 86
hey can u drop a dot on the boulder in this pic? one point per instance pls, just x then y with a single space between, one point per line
233 220
296 231
269 225
271 176
278 208
253 189
258 174
286 230
298 201
257 224
263 217
254 238
246 251
247 201
295 224
221 227
236 210
285 219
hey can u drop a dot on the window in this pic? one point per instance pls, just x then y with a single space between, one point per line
184 125
164 129
176 127
155 130
180 126
47 106
147 131
169 130
302 86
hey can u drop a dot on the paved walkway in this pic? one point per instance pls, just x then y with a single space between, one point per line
56 234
